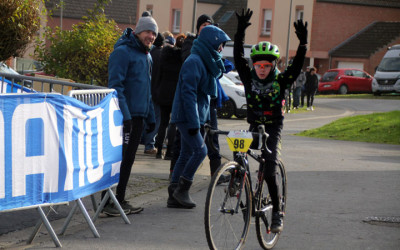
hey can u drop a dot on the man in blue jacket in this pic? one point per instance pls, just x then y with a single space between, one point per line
190 109
129 69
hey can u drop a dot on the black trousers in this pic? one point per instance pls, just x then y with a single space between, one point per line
130 143
272 161
164 122
129 148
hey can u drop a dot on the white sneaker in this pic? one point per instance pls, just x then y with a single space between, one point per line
308 108
311 108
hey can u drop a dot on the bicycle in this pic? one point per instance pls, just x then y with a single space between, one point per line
231 200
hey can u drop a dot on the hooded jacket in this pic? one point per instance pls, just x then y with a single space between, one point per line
197 79
129 73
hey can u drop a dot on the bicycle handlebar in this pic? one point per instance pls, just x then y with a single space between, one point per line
261 136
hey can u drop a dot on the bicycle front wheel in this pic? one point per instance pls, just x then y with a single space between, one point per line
265 237
228 208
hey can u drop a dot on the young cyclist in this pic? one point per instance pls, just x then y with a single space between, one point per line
265 89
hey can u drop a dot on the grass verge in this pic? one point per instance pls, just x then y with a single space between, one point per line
376 128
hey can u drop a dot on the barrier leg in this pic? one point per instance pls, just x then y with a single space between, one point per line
87 218
49 228
101 206
121 211
93 202
68 219
110 194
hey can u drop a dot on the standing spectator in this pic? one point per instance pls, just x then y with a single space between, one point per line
197 83
311 88
214 156
149 137
170 66
298 86
129 71
303 90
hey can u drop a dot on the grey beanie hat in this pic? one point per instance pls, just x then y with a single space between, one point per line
146 23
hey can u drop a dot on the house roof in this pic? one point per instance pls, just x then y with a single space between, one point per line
226 18
368 40
122 11
377 3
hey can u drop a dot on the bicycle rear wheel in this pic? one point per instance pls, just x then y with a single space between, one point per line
265 237
227 211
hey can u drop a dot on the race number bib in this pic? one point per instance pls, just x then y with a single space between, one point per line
239 141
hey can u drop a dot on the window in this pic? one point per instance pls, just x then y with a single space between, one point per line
225 17
299 14
266 27
149 8
176 28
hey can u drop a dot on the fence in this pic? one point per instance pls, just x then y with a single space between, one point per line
31 84
88 94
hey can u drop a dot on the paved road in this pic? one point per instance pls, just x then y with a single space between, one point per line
335 188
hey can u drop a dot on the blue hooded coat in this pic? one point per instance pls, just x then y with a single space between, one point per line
129 73
197 79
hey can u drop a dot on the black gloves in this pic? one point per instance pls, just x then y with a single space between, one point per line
243 20
193 131
150 127
301 31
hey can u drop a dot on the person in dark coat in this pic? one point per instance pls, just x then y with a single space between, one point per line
214 156
311 88
190 109
148 138
170 66
129 73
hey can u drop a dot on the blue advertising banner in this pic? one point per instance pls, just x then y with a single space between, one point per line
54 148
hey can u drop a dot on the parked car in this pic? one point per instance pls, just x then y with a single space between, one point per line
387 74
344 81
234 77
236 105
5 69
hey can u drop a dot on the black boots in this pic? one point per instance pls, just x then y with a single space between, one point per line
159 152
171 202
168 155
181 193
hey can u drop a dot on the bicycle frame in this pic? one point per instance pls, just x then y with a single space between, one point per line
255 193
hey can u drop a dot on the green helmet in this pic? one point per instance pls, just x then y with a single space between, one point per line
264 51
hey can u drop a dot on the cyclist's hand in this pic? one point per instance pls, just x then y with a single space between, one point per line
193 131
301 31
243 19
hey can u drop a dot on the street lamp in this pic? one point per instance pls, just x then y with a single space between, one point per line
288 35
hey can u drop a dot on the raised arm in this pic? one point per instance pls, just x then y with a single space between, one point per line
241 63
293 70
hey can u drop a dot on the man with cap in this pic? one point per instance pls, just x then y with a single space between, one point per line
129 69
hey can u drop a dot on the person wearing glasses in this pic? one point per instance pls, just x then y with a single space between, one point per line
265 89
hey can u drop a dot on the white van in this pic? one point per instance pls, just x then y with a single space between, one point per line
387 75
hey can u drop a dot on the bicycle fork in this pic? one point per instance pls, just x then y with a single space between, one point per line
232 191
260 203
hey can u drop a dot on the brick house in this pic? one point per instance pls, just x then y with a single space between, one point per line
342 33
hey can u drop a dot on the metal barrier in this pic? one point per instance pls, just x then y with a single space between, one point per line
42 84
92 98
90 95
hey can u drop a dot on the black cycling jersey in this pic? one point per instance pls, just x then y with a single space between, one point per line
264 99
